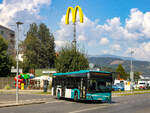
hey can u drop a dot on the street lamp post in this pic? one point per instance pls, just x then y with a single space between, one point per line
17 60
131 72
74 35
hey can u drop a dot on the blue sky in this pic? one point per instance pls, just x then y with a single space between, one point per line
95 9
110 26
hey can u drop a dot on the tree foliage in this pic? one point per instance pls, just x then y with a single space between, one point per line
70 59
39 48
48 46
5 60
122 72
137 75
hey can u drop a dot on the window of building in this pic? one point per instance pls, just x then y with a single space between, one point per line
2 32
12 35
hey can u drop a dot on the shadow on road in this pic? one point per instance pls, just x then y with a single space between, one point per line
88 101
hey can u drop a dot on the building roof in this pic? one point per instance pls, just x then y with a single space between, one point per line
79 72
6 28
145 75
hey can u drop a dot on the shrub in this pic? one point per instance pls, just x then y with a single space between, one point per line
7 87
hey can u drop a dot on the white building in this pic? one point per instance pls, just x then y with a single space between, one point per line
20 57
145 77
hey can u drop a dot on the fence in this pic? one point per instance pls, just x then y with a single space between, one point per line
7 81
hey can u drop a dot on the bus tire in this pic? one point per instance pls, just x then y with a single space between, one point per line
58 94
76 96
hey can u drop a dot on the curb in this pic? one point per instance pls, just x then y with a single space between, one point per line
20 104
129 94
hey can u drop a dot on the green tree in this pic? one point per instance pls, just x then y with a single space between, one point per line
5 60
70 59
38 48
120 70
48 46
137 76
31 52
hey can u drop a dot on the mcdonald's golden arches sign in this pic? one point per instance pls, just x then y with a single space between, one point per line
74 14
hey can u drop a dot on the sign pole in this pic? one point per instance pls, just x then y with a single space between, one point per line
74 35
131 72
17 60
74 16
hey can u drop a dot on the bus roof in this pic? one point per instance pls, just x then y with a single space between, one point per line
79 72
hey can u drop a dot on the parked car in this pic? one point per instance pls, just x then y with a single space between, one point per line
142 85
114 88
118 87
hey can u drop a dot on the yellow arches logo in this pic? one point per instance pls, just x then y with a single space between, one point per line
74 13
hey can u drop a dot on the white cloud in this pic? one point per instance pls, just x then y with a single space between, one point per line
112 28
135 20
142 52
116 47
20 10
139 23
86 31
105 52
92 43
60 43
104 41
81 38
134 32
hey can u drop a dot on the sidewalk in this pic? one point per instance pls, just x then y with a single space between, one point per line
12 91
20 103
26 97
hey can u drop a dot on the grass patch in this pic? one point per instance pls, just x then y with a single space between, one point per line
7 87
135 90
141 90
135 93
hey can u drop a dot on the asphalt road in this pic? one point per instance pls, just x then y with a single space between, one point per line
125 104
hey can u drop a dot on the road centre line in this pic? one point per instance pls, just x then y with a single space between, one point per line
88 109
93 108
56 101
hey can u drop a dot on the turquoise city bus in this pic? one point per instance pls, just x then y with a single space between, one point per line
83 85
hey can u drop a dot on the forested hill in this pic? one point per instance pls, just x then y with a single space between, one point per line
112 62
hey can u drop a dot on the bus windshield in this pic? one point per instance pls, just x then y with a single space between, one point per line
99 85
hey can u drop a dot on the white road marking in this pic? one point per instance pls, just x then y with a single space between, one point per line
88 109
57 101
93 108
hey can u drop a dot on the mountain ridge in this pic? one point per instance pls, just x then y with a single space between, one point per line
112 56
112 62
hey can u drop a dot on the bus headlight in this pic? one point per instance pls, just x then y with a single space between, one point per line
99 99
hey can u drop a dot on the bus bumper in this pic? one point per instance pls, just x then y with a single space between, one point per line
106 97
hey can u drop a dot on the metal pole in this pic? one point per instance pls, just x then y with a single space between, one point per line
17 38
17 96
131 61
74 35
131 73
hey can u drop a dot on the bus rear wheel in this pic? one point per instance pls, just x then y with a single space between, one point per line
76 96
58 94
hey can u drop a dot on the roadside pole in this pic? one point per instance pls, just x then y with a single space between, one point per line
17 60
131 72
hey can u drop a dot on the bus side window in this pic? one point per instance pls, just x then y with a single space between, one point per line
92 85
